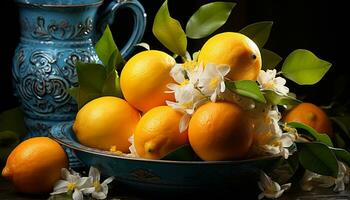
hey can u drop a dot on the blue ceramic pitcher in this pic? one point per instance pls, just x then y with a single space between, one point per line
55 34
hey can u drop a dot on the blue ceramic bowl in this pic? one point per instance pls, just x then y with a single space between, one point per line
165 175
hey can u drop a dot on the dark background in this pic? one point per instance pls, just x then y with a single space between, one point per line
309 24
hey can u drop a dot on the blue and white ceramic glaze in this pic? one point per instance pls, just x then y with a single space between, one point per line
55 34
165 175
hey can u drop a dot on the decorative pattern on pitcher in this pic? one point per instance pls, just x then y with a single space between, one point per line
62 30
42 79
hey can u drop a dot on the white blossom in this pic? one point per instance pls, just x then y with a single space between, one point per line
132 149
72 182
99 190
271 189
271 139
311 180
187 96
212 80
268 81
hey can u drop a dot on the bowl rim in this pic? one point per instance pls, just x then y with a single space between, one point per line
111 155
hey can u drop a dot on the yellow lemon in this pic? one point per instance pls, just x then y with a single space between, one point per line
34 166
158 133
106 122
144 79
235 50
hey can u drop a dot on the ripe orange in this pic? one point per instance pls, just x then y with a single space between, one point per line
311 115
220 131
34 166
158 133
235 50
105 122
144 79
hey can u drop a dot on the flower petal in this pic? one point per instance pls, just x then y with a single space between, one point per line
265 180
77 195
223 69
99 195
222 86
60 184
213 97
339 186
280 81
84 182
184 121
261 196
173 86
286 140
88 190
59 191
177 73
286 186
94 173
65 173
107 181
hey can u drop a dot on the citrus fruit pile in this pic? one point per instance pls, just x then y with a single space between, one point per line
161 111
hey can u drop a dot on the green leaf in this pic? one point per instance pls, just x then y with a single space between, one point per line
8 141
342 155
13 120
246 88
338 140
259 32
318 158
169 31
91 78
208 18
269 59
304 68
106 46
116 61
8 138
183 153
344 123
305 129
111 86
277 99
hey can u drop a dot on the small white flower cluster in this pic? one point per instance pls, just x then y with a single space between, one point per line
272 138
78 186
271 189
311 180
195 85
268 81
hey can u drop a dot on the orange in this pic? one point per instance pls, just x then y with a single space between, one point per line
144 79
158 133
311 115
220 131
106 122
235 50
34 166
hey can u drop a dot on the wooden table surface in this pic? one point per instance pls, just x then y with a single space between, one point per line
116 192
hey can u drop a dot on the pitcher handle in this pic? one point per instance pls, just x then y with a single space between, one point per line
139 17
